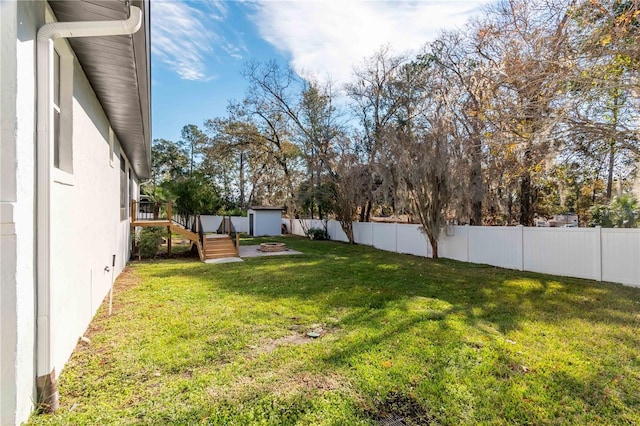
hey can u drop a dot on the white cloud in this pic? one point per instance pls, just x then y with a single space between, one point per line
184 36
328 37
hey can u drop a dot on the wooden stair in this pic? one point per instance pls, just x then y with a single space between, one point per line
192 236
218 246
214 246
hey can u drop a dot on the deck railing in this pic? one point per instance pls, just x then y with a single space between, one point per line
142 211
149 210
187 219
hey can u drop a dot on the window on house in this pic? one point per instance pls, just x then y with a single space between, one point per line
112 142
123 189
61 105
131 194
56 109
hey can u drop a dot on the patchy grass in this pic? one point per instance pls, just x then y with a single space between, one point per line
401 337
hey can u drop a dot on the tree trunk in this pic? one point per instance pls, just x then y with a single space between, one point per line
612 158
434 246
367 211
241 178
526 209
509 207
477 192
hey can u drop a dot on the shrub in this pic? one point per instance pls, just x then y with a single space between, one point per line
622 212
317 234
150 240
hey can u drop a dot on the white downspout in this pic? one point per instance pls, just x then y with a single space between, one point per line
45 368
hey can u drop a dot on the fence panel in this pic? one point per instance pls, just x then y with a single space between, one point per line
621 256
210 223
410 240
496 246
363 233
572 252
294 226
384 236
335 231
453 244
592 253
240 223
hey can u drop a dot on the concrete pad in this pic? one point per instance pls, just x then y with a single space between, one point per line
252 251
224 260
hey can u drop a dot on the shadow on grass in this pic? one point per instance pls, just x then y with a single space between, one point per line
335 275
463 317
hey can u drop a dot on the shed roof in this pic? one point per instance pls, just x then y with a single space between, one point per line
266 208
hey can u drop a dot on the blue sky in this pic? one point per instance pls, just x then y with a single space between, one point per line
199 47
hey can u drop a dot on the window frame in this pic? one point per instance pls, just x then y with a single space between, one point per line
61 109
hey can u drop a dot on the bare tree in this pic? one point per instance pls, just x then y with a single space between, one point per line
472 76
347 177
422 147
527 44
376 102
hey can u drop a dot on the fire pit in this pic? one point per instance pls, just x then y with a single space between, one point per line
272 247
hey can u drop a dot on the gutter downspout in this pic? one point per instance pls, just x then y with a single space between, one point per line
47 392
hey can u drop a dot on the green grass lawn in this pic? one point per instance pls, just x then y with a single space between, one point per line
433 342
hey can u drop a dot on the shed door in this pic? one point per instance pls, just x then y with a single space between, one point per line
251 224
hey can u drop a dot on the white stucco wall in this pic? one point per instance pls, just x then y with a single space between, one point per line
18 24
266 222
86 229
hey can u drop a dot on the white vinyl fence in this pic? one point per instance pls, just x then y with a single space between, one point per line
212 223
600 254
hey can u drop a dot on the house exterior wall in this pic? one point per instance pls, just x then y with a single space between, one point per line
267 222
19 22
86 225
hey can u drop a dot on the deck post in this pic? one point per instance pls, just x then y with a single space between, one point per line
168 240
238 243
133 210
169 213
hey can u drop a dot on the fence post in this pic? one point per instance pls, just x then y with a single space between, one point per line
521 247
468 229
373 234
598 230
396 231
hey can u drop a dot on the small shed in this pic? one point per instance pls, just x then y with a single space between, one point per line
265 221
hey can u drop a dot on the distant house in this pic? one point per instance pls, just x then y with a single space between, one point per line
567 220
265 221
74 145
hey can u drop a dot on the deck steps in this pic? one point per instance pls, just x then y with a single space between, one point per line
218 247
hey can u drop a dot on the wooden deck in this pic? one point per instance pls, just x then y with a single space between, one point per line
213 246
151 222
